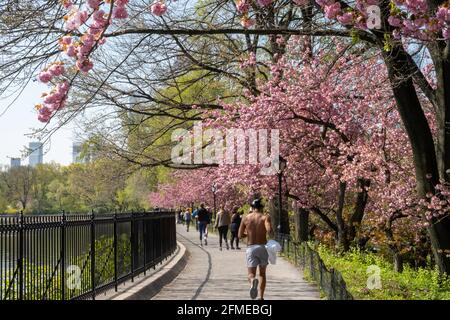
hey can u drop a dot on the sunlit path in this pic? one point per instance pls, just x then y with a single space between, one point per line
213 274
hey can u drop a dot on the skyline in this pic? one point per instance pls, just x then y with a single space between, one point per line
20 119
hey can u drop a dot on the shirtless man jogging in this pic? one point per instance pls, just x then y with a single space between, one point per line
255 226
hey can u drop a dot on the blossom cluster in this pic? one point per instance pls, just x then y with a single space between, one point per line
411 18
86 27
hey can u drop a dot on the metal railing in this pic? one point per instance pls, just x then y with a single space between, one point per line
77 256
330 281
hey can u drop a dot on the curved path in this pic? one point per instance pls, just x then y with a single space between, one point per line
212 274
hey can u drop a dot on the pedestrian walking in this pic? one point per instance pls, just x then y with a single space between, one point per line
187 218
223 220
203 221
179 216
195 218
234 227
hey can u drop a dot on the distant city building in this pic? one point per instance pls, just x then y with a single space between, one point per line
15 162
37 153
79 154
76 152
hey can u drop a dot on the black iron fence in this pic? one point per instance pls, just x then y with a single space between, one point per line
301 254
77 256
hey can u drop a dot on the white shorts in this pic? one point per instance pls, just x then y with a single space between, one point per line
257 255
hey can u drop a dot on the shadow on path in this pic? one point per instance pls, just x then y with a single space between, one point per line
208 274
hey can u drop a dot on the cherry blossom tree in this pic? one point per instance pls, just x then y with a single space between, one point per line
399 30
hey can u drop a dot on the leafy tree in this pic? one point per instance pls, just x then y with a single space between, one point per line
18 185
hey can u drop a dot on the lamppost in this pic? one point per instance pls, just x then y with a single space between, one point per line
281 167
214 190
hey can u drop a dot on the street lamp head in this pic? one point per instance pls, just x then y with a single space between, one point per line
214 188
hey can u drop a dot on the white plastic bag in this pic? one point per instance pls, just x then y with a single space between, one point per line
273 248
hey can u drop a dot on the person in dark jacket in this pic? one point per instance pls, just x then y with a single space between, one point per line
203 219
235 224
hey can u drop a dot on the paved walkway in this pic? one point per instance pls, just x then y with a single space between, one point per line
212 274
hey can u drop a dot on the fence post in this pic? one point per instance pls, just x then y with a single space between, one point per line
63 256
333 285
295 254
132 238
320 264
288 247
21 237
115 250
160 232
303 254
93 254
144 238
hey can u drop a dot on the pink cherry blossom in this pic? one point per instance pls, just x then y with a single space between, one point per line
121 3
45 76
158 8
76 19
94 4
264 3
71 51
120 12
67 4
66 40
325 2
44 114
446 33
346 18
84 65
395 21
301 2
56 70
99 17
247 22
333 10
242 6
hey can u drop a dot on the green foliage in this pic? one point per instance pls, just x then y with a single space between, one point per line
387 43
39 283
421 284
104 258
43 282
355 36
101 185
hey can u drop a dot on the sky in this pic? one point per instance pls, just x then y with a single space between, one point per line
19 121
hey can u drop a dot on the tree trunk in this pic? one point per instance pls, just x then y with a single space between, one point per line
398 262
442 66
440 227
301 217
342 240
396 254
360 208
283 221
273 212
421 139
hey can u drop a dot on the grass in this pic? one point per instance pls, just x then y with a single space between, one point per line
422 284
